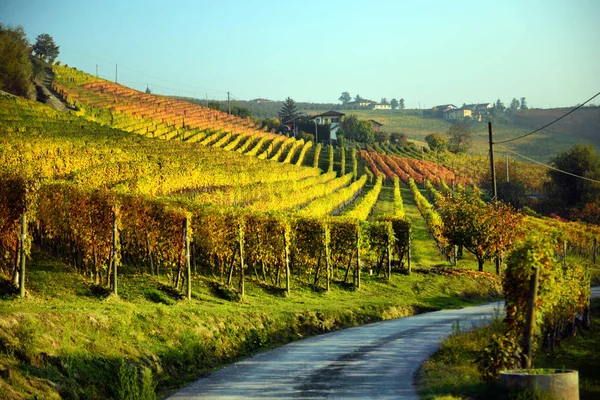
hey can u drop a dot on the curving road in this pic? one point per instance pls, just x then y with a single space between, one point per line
375 361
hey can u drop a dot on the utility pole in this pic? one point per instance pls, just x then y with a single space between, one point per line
116 72
96 70
206 100
495 190
228 104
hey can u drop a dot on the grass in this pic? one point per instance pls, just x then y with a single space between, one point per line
385 202
70 339
451 373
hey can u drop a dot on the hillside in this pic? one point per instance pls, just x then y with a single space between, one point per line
584 123
582 129
73 337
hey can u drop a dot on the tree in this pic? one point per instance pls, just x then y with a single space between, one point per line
357 98
523 104
394 103
500 106
148 91
512 192
484 229
381 137
436 141
357 130
459 137
240 111
345 98
384 100
398 138
567 190
288 111
364 132
514 105
214 105
401 104
45 47
349 126
16 70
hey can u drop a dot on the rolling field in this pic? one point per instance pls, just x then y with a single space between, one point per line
581 129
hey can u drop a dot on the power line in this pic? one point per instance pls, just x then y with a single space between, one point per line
198 88
551 167
556 120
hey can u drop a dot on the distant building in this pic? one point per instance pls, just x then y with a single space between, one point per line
261 100
478 110
444 107
458 113
362 103
382 107
333 118
376 125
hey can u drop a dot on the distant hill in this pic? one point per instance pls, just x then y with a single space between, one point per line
583 123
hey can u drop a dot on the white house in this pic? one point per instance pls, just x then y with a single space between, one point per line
333 118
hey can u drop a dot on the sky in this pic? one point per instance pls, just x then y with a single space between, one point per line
429 53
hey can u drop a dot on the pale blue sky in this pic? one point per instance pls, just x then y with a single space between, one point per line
429 52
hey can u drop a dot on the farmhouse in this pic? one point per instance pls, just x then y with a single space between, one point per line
458 113
478 110
382 107
333 118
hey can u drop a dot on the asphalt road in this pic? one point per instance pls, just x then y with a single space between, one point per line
375 361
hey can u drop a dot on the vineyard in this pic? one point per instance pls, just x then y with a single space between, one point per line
132 184
82 184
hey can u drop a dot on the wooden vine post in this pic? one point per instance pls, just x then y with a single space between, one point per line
595 250
565 251
23 255
286 249
241 248
389 242
188 266
357 272
530 318
114 254
327 238
409 255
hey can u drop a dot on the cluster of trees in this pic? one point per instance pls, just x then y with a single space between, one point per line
571 196
357 130
346 101
515 105
236 109
458 138
16 68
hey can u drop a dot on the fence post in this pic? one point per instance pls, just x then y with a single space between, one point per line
595 250
357 273
565 251
327 234
530 321
23 255
241 242
389 250
286 247
114 253
409 256
188 266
